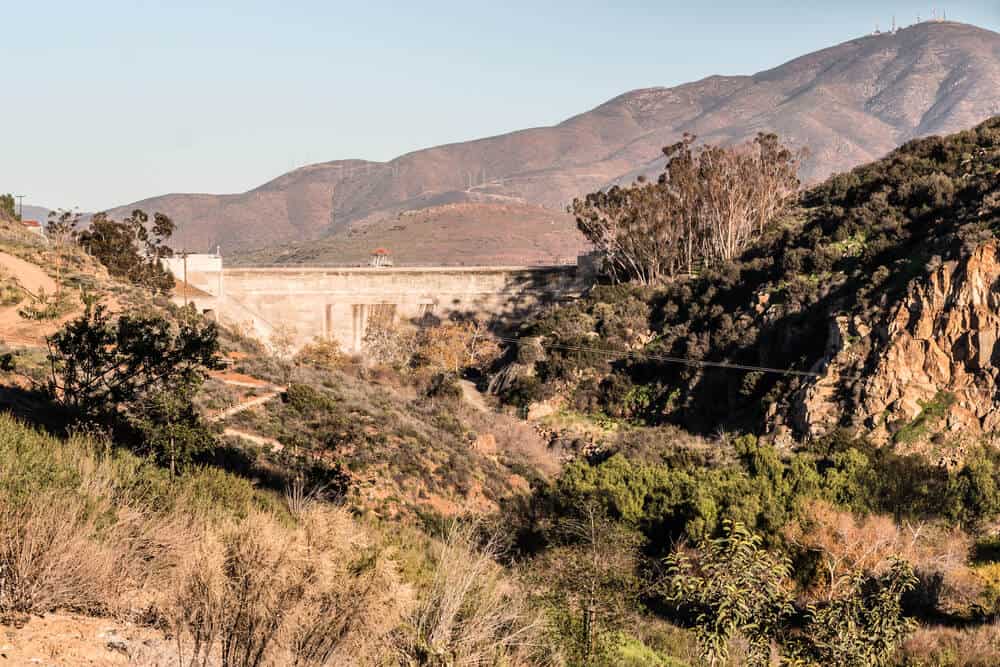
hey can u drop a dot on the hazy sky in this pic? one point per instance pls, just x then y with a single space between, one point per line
107 102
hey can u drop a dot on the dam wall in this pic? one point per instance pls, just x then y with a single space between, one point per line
342 304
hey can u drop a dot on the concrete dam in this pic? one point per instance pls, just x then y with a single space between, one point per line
342 304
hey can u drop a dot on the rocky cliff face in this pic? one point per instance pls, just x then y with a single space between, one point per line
930 367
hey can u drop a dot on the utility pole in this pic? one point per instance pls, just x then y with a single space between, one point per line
184 256
20 207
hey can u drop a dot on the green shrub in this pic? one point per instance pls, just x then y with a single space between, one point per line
630 652
307 399
34 463
652 485
931 412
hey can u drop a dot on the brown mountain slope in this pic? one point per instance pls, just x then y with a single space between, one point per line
468 233
848 104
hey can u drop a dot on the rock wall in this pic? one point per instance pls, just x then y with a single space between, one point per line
934 359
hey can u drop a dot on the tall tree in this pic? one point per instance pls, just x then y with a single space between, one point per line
633 228
740 189
707 207
61 229
132 249
61 226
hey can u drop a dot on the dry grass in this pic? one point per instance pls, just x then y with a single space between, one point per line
516 439
472 614
260 593
952 647
232 576
49 558
93 548
846 543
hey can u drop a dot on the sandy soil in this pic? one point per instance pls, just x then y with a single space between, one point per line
65 640
239 379
473 396
14 329
31 276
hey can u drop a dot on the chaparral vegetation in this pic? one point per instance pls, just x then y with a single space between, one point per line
673 500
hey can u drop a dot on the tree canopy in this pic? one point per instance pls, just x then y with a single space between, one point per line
7 207
707 207
97 363
132 248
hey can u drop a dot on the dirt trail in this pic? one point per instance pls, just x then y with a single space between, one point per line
222 415
240 380
473 396
254 438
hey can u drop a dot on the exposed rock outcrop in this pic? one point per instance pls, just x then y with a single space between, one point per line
933 359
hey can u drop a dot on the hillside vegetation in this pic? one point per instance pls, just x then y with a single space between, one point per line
850 251
792 541
398 451
134 508
229 573
673 505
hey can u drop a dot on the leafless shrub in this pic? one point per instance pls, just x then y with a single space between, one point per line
60 551
282 340
515 438
974 646
472 615
300 498
389 345
846 543
258 593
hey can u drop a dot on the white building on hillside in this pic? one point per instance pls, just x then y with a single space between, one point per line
202 271
34 227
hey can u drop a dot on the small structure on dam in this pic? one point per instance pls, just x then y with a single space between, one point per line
342 303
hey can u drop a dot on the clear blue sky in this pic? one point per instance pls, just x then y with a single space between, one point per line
110 101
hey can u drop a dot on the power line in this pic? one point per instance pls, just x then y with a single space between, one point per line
701 363
698 363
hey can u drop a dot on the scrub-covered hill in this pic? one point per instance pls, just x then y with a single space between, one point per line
883 283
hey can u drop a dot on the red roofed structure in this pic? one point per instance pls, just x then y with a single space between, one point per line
34 226
380 257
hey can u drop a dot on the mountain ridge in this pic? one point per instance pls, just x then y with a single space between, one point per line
848 103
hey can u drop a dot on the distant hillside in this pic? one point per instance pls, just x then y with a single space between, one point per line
453 234
848 104
39 213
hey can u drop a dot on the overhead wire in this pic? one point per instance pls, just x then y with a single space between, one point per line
702 363
699 363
